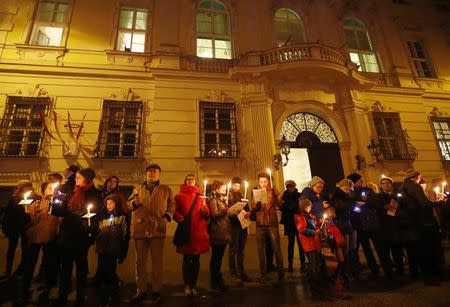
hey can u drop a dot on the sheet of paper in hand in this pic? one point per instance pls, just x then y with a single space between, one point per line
260 195
236 208
392 212
244 221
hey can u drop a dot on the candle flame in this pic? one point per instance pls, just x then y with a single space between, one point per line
444 183
89 208
246 184
383 176
205 182
25 195
399 194
325 216
55 185
437 190
269 171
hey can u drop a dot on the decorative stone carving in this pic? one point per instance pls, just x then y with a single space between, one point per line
40 54
128 58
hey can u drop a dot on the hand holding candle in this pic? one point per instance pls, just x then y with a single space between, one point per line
437 190
324 220
89 207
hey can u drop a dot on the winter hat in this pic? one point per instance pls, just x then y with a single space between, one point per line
411 173
24 183
315 180
115 198
87 173
354 177
153 165
236 180
386 178
304 203
345 182
290 182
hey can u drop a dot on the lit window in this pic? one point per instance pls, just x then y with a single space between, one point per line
120 129
419 59
441 128
213 31
21 131
218 130
289 28
51 23
132 31
392 139
361 50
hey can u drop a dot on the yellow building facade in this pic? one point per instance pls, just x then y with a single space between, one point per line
210 88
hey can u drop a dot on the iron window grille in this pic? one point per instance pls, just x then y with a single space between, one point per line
120 130
21 127
218 130
392 139
441 128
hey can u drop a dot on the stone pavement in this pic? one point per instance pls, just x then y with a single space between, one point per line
292 291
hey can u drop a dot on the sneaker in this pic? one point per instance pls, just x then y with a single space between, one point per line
187 290
139 297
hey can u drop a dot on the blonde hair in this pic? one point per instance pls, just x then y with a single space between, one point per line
373 186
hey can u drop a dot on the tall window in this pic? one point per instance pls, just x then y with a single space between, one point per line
289 28
441 127
21 131
132 29
419 59
218 130
393 142
213 30
51 23
361 49
120 129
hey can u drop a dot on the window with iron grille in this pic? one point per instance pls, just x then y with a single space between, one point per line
120 129
391 137
21 127
420 60
441 128
218 130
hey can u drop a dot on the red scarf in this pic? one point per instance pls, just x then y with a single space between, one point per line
76 202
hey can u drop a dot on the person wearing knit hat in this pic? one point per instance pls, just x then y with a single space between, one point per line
23 183
290 183
236 180
386 178
88 174
316 180
356 179
412 173
345 184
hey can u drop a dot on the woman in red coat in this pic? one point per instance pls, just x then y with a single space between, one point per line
199 238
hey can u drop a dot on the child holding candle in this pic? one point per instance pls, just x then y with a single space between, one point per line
110 245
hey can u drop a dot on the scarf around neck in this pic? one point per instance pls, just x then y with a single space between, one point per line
76 202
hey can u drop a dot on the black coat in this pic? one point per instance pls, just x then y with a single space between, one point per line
390 225
343 205
15 218
368 219
74 230
289 207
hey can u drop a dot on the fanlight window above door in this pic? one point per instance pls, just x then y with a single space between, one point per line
300 122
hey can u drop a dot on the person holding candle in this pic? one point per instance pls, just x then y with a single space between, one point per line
198 244
68 187
41 234
76 236
265 215
220 234
14 225
289 207
151 204
238 235
112 235
421 218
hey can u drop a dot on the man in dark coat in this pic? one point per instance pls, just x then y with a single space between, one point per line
420 215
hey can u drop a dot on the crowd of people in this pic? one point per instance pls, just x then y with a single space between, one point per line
66 217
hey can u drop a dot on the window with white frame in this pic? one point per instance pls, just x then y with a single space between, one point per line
441 128
360 46
213 38
419 60
120 129
289 28
218 130
132 30
21 129
51 23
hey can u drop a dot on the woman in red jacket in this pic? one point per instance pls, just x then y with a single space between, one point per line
199 238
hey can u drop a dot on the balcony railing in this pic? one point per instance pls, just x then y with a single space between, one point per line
206 64
295 53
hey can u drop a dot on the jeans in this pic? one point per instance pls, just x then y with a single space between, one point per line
237 247
271 233
69 256
191 268
215 263
292 238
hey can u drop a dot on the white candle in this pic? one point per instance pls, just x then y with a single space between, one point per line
245 190
437 190
111 219
25 195
270 176
228 191
324 219
54 186
443 186
89 207
205 182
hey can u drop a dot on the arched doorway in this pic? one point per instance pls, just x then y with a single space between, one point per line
314 150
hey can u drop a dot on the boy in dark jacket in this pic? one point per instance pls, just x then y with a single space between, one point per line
110 244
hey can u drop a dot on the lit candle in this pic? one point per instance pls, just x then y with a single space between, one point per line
270 176
383 176
245 190
228 191
324 219
25 195
89 207
205 182
443 186
54 186
437 190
